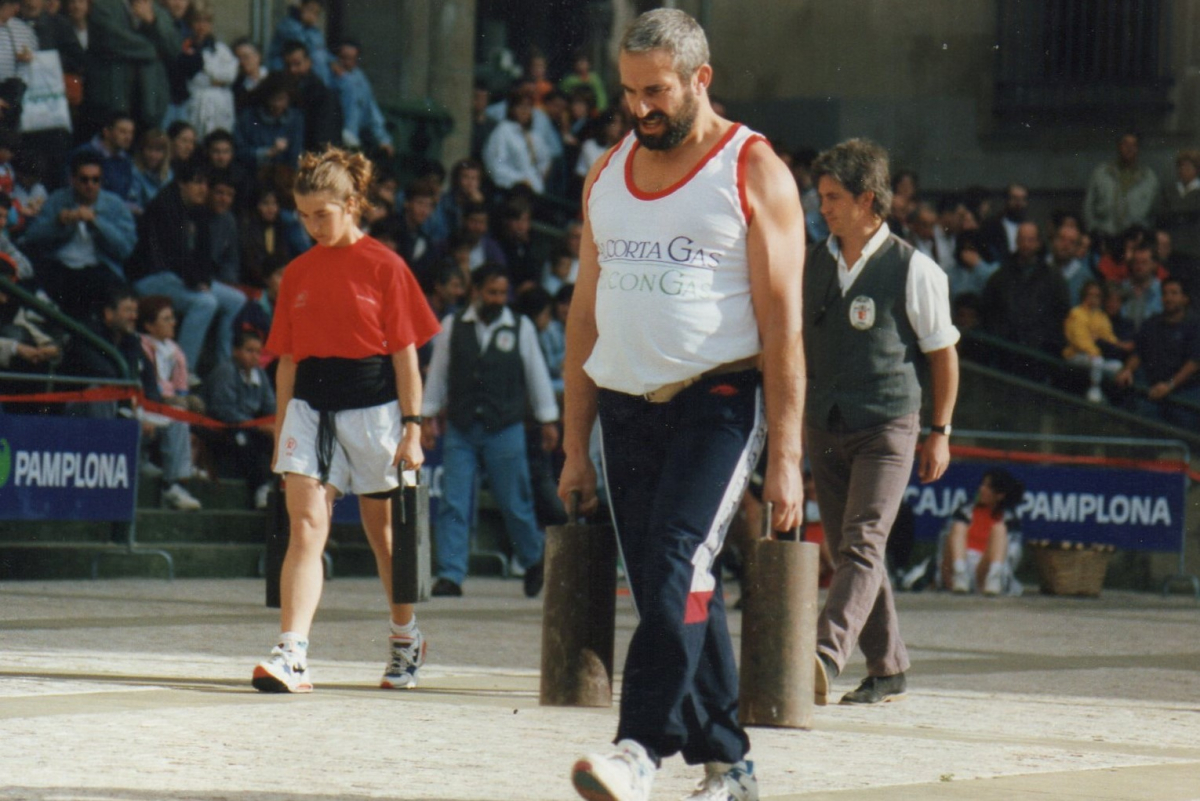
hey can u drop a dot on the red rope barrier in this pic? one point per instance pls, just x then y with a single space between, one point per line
98 394
1153 465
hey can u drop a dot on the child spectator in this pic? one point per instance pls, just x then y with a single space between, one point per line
976 551
151 169
238 391
213 68
1086 327
157 319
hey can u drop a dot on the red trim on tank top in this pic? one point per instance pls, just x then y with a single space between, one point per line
747 212
640 195
612 151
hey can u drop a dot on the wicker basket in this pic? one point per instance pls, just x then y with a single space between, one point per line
1070 568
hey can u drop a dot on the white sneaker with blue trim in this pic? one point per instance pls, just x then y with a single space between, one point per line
725 782
407 657
285 672
625 775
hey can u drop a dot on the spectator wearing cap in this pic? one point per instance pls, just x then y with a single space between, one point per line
82 238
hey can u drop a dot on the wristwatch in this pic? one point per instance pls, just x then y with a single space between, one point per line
412 418
945 430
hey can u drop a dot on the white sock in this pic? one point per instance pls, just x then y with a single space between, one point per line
293 641
960 565
406 632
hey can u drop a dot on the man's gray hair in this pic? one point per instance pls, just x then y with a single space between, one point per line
672 30
860 165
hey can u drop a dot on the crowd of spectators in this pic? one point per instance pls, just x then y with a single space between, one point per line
1086 286
165 220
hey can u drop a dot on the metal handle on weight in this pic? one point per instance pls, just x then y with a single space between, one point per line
766 529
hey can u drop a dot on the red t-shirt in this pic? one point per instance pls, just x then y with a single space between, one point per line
980 530
351 302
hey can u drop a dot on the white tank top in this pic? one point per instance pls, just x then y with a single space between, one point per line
673 299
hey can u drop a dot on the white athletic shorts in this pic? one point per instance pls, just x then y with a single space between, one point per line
363 450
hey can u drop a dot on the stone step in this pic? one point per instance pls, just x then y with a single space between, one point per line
225 493
53 561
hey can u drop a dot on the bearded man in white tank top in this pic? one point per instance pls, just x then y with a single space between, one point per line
684 338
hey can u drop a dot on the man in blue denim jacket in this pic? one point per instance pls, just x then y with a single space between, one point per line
81 239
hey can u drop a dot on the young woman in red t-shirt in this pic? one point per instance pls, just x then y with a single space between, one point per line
348 321
976 549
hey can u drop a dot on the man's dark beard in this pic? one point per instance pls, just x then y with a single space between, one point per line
675 129
490 312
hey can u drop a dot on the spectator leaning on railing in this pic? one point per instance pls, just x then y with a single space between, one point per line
1167 358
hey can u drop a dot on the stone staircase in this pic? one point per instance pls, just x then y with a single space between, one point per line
225 539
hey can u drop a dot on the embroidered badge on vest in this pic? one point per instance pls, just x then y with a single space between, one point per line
862 312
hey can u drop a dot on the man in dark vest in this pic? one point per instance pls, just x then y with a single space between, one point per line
876 321
486 369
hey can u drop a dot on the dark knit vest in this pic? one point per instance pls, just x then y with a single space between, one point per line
866 369
486 387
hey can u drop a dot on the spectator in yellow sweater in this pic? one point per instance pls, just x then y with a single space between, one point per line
1091 342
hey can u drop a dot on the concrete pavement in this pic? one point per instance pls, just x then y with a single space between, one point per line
140 690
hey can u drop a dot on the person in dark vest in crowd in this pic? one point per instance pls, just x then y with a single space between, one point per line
876 318
486 367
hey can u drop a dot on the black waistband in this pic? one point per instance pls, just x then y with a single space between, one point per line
334 384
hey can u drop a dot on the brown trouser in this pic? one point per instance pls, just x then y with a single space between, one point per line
860 478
